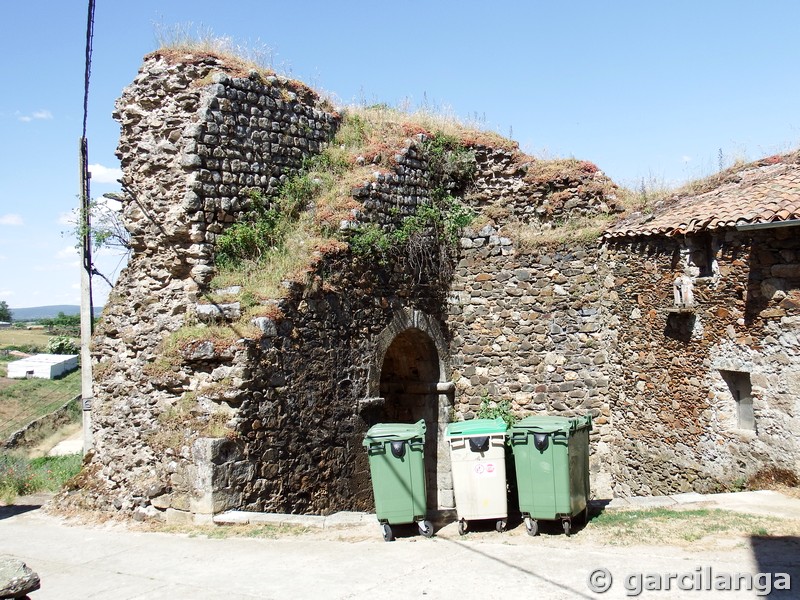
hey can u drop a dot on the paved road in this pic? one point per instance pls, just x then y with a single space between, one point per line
116 563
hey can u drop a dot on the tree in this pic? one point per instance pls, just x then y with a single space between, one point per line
5 312
63 324
107 229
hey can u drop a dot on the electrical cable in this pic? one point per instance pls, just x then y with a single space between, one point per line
88 63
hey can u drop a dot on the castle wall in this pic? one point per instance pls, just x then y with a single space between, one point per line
270 416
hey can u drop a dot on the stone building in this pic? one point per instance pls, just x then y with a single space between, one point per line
705 353
207 399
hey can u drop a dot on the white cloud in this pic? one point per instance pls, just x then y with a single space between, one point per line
10 219
686 159
38 115
68 252
6 293
101 174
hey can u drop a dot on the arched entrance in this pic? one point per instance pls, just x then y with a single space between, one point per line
409 376
408 383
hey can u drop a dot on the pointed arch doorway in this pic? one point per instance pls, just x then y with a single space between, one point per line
409 377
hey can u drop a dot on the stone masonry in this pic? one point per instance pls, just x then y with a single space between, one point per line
196 412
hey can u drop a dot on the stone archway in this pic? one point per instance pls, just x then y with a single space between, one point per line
408 382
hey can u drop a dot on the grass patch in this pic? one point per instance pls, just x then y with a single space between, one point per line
31 341
666 525
25 400
263 279
20 476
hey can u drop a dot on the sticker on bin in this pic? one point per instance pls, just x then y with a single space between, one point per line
485 469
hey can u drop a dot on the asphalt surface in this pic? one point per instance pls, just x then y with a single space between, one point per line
348 559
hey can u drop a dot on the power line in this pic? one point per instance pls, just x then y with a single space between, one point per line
88 63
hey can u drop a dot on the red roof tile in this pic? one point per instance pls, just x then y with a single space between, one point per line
762 192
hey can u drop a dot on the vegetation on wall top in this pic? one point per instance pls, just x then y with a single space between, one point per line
279 238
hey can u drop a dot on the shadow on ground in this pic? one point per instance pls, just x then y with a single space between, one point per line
6 512
774 555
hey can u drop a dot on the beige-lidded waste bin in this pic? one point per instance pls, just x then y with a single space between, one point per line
478 464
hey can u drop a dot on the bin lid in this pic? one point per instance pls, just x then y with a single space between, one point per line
476 427
388 432
551 423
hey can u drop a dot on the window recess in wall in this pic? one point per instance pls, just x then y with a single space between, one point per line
702 257
741 390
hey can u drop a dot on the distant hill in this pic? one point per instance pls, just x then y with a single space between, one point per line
35 313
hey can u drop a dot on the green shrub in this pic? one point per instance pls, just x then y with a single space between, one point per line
61 344
20 476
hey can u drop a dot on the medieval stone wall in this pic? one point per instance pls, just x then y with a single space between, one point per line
533 328
271 415
193 137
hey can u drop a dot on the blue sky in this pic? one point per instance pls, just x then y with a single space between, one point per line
646 90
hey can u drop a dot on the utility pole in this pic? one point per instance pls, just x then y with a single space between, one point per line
87 307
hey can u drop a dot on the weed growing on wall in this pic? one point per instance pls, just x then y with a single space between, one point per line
426 239
582 230
266 225
492 409
183 422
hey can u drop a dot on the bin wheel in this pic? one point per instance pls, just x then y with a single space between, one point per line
425 528
462 527
531 526
388 536
501 525
567 526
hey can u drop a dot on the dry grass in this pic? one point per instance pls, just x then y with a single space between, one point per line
583 230
194 43
192 38
379 129
265 279
653 193
265 531
560 168
13 336
695 528
184 421
775 478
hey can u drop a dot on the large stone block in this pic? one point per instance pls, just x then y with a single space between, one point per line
17 579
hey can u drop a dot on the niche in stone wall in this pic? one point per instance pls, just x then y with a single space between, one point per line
702 257
680 325
741 391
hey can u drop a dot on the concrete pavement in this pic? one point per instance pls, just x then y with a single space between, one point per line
351 561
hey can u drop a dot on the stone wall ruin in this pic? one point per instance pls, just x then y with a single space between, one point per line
270 416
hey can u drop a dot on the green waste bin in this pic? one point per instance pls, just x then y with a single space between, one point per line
551 455
478 464
397 466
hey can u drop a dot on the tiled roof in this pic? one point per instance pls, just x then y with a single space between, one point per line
762 192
